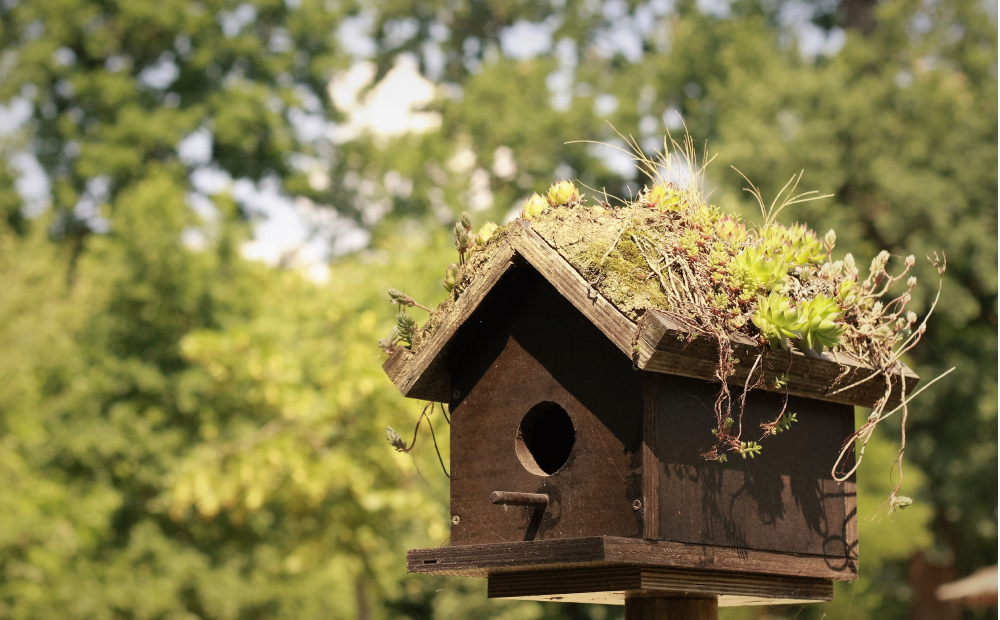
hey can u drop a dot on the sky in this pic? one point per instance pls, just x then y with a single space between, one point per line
292 231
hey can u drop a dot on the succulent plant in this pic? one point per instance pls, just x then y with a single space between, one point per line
848 292
534 205
777 319
664 197
783 423
805 246
562 193
486 233
407 327
403 300
830 240
731 229
395 440
706 216
450 276
818 327
464 240
749 448
388 342
758 269
775 240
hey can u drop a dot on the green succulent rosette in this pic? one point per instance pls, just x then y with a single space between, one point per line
818 327
777 319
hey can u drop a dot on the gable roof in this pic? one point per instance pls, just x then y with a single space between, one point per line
656 343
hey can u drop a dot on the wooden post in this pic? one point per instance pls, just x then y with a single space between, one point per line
671 608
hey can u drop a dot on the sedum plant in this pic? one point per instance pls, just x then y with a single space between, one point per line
562 193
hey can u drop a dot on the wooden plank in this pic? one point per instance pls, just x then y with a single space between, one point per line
658 608
650 462
482 560
536 364
785 500
619 598
709 557
596 551
656 581
666 347
422 374
565 581
851 501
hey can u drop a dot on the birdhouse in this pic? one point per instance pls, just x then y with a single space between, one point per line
577 441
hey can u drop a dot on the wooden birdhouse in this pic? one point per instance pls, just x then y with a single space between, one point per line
576 450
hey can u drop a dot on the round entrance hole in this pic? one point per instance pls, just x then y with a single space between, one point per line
544 439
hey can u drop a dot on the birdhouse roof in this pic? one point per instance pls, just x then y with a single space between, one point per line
655 340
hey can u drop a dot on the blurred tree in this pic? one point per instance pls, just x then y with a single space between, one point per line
186 434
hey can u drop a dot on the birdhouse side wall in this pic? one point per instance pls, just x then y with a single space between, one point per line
784 499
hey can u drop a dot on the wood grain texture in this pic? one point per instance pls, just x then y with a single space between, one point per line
650 462
656 582
573 287
784 500
666 347
851 500
422 374
603 551
510 358
659 608
657 343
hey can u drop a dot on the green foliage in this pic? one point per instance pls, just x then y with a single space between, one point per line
755 269
407 327
749 448
783 423
142 474
534 205
776 319
562 193
818 327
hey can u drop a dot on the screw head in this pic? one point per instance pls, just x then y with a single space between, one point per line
637 505
455 519
456 394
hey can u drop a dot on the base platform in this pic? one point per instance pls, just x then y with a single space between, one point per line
607 569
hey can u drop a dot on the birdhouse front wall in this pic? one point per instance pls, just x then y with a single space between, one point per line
542 403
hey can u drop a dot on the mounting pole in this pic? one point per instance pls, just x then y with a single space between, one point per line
671 608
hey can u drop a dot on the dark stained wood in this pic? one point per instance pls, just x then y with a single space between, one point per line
508 498
665 347
650 463
662 608
657 344
523 346
621 582
850 499
422 375
603 551
571 285
785 499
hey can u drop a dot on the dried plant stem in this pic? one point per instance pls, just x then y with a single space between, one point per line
868 428
425 413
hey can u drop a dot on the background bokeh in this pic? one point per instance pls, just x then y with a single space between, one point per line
202 204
